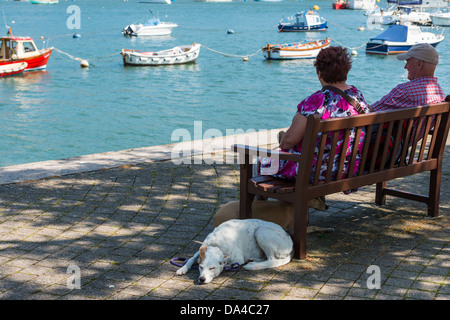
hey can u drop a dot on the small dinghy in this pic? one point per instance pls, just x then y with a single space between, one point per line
176 55
296 50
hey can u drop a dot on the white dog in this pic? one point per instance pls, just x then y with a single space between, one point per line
264 243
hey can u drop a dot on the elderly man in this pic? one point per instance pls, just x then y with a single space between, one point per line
422 89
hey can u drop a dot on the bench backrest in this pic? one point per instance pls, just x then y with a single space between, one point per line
411 153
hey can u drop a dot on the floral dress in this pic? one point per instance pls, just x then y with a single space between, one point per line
328 104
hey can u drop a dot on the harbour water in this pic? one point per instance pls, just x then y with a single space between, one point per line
67 110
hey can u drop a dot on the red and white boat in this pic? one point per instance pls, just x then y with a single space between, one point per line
22 49
295 50
12 69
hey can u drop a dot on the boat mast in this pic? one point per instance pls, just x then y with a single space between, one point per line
6 26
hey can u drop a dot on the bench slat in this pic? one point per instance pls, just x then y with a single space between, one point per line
365 153
398 137
434 135
354 152
318 168
332 155
272 184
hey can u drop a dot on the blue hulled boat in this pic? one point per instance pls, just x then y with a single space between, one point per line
399 38
303 21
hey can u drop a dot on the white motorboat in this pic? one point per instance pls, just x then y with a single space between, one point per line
431 3
213 0
399 38
303 21
401 14
44 1
157 1
153 27
296 50
404 14
441 18
176 55
360 4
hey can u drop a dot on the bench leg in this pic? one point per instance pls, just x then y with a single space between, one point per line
246 199
434 192
300 229
245 206
380 197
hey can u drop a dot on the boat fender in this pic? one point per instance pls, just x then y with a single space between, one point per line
354 52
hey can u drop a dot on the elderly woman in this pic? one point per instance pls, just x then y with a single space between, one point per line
332 66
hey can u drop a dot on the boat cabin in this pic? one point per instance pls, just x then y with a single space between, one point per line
405 34
12 48
308 19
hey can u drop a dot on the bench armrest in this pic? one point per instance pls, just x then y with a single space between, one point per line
263 152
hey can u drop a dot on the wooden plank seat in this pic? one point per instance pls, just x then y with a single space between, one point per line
272 184
409 154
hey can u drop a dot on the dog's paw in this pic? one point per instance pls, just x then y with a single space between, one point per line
249 266
181 271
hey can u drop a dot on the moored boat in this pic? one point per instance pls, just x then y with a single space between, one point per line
441 18
12 69
339 4
153 27
408 15
44 1
399 38
296 50
177 55
303 21
23 49
213 0
404 11
157 1
361 4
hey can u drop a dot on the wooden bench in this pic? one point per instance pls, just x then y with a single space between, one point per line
419 155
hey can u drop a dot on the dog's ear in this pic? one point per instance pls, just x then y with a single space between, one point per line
202 251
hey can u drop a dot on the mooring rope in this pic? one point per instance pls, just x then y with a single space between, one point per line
231 55
69 55
81 60
348 46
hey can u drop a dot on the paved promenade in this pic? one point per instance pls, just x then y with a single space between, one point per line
110 233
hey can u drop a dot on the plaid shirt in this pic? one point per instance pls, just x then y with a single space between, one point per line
417 92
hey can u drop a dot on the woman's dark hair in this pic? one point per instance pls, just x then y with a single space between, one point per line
333 63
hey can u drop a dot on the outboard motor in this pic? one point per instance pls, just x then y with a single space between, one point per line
128 30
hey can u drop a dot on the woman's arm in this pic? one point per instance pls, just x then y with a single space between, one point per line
295 132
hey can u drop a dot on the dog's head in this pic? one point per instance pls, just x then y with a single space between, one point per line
211 262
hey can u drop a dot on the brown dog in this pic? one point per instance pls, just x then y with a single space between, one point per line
279 212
